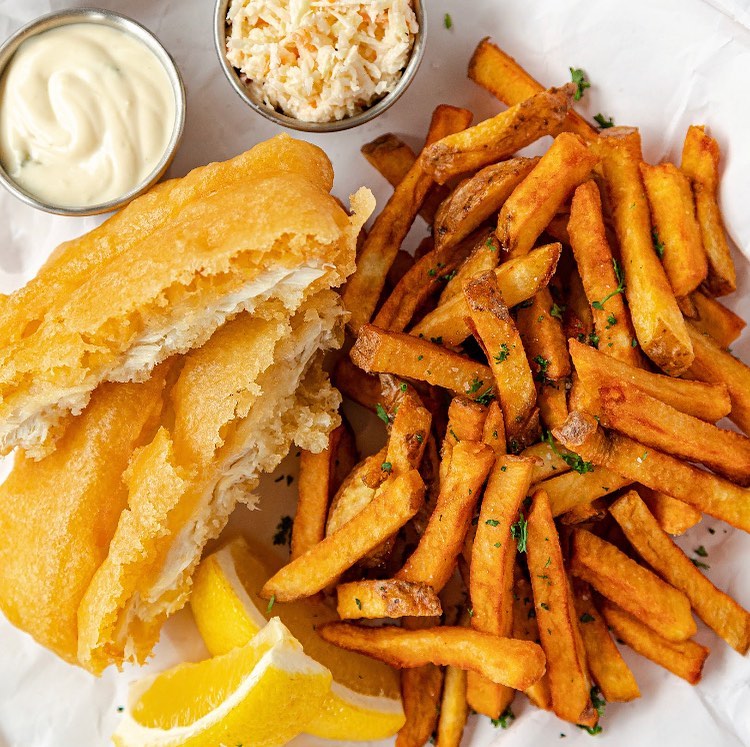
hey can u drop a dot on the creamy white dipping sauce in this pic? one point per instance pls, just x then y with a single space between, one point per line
86 114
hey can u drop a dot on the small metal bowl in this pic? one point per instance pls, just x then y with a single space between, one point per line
123 23
220 37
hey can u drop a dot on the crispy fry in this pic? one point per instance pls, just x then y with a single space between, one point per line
497 334
656 317
700 161
390 228
684 658
579 488
710 494
420 693
390 598
707 401
712 364
588 239
484 257
518 280
548 462
553 404
493 433
718 610
675 226
535 201
379 351
356 384
503 77
543 339
491 571
556 618
608 668
478 199
434 560
651 422
324 562
466 420
712 317
499 137
505 661
631 586
454 710
408 436
674 517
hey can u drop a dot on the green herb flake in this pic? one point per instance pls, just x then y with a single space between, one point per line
658 245
503 354
448 21
579 78
283 533
599 305
557 311
541 374
358 603
474 386
492 522
701 552
453 433
504 468
386 466
544 606
506 719
700 564
271 602
432 272
404 387
520 532
382 414
611 321
603 122
586 618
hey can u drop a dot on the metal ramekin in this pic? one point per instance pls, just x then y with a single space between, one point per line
123 23
220 36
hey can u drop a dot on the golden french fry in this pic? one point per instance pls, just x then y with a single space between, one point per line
608 668
596 267
420 693
478 199
493 433
556 618
518 280
389 598
363 289
631 586
434 560
712 364
707 401
684 658
708 493
326 561
485 257
454 710
379 351
499 137
581 486
466 420
497 334
712 317
535 201
700 161
505 661
674 517
503 77
656 316
717 609
676 229
651 422
548 461
409 433
352 381
553 404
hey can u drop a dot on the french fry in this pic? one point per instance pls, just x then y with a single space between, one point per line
676 227
503 77
596 267
674 517
420 693
491 571
712 364
454 709
556 617
535 201
434 560
707 401
478 199
371 600
553 404
683 658
493 433
355 492
424 279
656 316
379 351
497 334
499 137
708 493
631 586
700 161
717 609
578 321
363 289
326 561
544 341
715 319
484 257
608 669
401 265
578 488
518 280
585 513
466 420
352 381
408 435
548 462
505 661
651 422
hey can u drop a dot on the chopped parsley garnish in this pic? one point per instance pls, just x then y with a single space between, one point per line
448 21
503 354
579 78
611 320
634 343
658 245
504 468
620 287
486 397
597 700
419 437
449 276
386 466
557 311
453 433
603 122
432 272
506 719
541 374
586 618
544 606
575 462
470 611
491 244
358 603
436 340
492 522
700 564
591 339
520 532
474 386
404 387
701 552
283 533
382 414
271 602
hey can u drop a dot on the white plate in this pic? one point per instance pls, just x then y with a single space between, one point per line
662 68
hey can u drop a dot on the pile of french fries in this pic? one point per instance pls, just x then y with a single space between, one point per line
549 366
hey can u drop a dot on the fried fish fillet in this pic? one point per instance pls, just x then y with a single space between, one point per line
161 276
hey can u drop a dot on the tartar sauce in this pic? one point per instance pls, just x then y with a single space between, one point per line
86 114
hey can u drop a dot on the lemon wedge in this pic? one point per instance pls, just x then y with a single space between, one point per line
365 700
261 694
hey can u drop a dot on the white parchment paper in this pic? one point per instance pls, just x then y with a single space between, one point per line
658 64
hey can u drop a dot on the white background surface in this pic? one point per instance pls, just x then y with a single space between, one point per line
661 65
